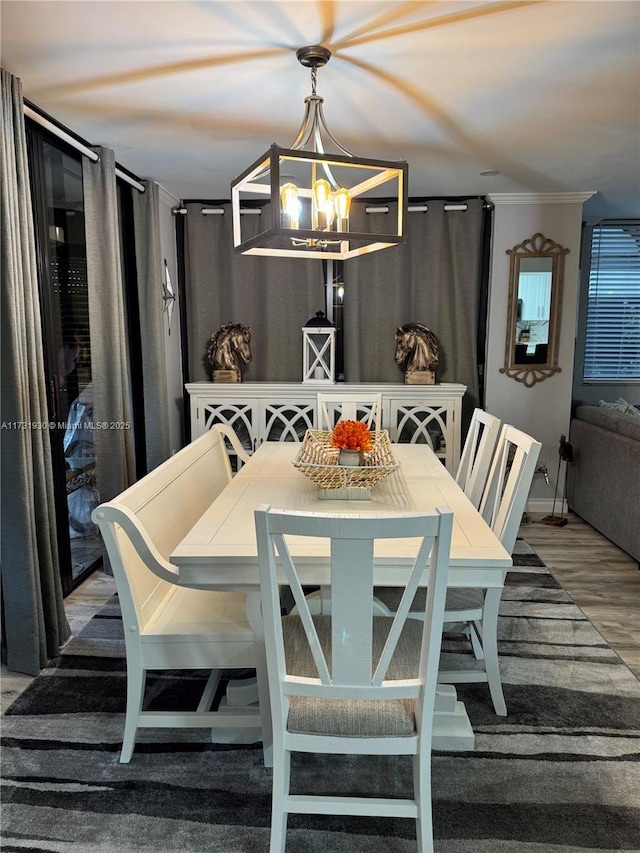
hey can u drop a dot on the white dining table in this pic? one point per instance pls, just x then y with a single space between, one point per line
220 551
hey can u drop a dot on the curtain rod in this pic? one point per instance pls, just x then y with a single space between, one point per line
423 208
211 211
416 208
52 127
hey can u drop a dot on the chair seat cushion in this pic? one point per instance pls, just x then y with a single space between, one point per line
457 599
345 717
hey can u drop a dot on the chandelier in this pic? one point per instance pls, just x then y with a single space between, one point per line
311 186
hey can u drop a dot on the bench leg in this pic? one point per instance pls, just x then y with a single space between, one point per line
136 679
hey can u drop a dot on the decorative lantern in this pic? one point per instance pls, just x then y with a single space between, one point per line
318 351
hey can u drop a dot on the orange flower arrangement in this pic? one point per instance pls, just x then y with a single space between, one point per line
352 435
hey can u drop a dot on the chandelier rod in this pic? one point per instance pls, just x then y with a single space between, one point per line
323 125
314 123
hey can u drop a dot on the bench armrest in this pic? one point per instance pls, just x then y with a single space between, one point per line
107 514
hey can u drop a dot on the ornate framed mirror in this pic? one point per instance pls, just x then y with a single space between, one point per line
536 278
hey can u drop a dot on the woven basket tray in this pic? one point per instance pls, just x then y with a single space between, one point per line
318 460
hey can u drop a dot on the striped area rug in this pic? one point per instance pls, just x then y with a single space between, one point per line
560 773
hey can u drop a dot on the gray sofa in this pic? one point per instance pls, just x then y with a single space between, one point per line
603 481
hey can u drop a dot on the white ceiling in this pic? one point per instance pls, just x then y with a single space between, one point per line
190 92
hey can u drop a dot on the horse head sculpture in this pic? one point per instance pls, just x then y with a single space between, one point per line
416 348
230 347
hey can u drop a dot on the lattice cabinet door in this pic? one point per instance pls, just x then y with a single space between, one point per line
415 422
286 420
241 417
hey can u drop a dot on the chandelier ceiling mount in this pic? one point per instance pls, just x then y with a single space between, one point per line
313 55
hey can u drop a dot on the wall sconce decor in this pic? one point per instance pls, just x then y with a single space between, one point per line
319 351
311 186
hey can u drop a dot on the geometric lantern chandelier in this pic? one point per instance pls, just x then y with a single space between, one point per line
311 186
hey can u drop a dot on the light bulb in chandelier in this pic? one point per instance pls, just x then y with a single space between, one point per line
323 211
290 206
342 202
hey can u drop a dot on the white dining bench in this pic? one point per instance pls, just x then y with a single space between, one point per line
168 626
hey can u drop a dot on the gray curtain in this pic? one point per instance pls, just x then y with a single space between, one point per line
275 296
146 216
34 622
115 468
434 278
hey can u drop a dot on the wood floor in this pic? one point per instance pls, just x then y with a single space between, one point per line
602 580
80 606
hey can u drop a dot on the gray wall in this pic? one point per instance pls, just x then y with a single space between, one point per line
543 410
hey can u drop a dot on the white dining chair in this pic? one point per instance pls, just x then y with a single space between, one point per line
166 626
477 453
502 506
332 408
348 682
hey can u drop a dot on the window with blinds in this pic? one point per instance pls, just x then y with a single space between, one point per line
612 345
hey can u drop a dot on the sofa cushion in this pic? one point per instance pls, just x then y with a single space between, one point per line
603 482
611 419
621 405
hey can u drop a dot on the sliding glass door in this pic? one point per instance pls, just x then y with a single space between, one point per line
59 215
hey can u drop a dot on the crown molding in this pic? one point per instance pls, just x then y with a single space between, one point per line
541 198
167 198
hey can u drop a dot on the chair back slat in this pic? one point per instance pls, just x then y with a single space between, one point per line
351 581
510 478
402 613
477 453
302 605
332 408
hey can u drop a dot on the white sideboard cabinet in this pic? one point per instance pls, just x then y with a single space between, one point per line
278 411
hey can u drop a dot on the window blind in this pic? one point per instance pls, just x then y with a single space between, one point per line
612 345
69 282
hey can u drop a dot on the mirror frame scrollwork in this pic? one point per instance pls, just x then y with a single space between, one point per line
537 246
